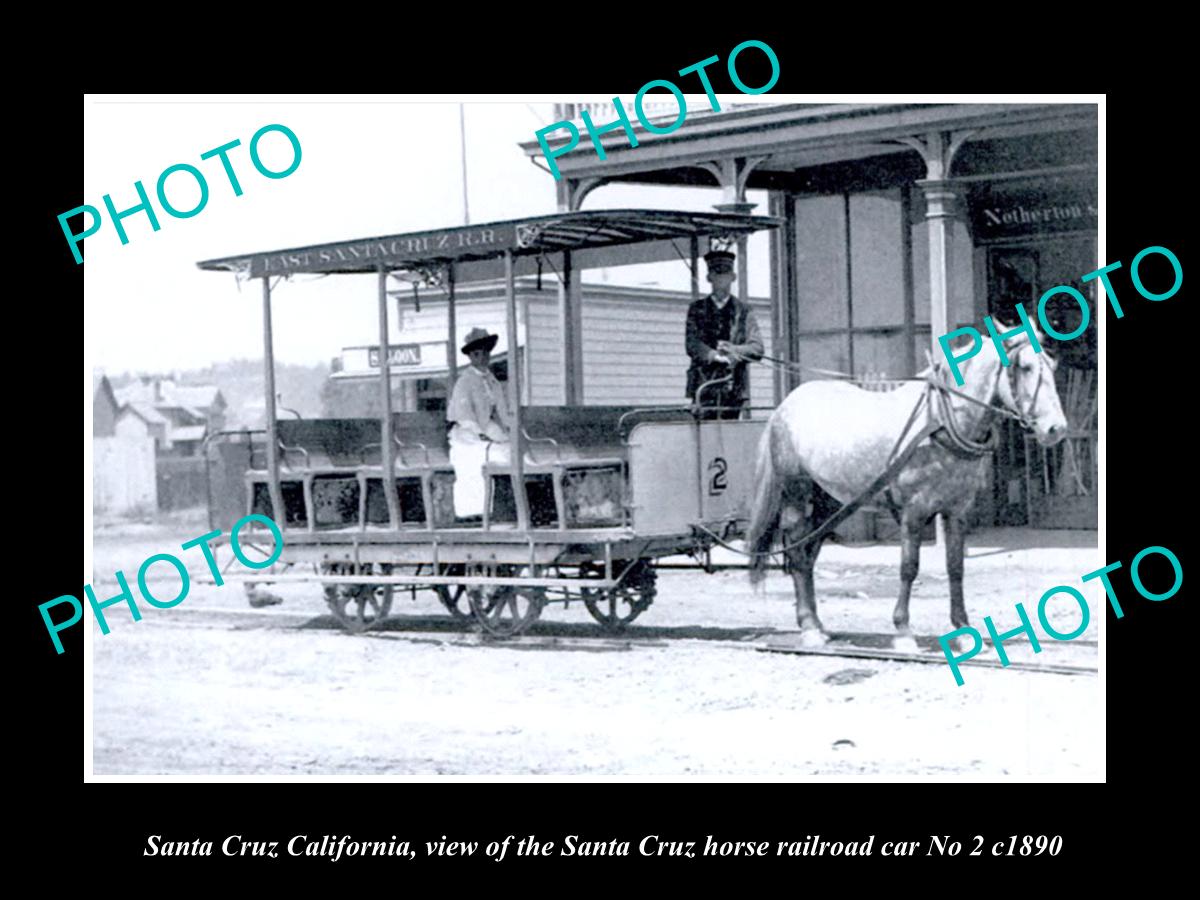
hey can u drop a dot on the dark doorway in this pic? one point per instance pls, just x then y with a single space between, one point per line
1055 488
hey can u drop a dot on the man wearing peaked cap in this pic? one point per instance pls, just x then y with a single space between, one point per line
481 422
722 336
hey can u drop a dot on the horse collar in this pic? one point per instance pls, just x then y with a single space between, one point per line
953 439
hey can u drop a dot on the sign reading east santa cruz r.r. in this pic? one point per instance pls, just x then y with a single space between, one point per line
392 251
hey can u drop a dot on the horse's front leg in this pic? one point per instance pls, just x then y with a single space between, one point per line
910 564
956 532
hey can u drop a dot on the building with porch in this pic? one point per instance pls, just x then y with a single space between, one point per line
903 222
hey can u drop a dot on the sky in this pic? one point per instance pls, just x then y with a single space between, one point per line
369 166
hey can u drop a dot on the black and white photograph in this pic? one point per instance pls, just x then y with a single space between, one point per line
720 436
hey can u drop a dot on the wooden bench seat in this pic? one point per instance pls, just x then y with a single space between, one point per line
564 493
333 468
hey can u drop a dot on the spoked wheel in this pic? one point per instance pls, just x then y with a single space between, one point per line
617 607
358 607
454 596
505 610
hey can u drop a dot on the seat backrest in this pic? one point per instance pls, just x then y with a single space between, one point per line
426 427
341 442
337 442
587 427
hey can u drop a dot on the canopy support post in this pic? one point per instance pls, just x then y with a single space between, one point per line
694 249
385 388
514 396
278 512
570 300
694 254
452 330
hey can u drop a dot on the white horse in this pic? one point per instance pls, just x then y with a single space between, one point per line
829 440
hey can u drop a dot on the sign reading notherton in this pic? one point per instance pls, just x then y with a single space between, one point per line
1005 211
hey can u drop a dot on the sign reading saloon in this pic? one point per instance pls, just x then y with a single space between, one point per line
366 255
398 355
1003 211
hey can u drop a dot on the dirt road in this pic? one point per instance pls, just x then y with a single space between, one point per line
212 686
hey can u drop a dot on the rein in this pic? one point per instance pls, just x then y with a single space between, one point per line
850 508
948 425
1023 417
954 433
928 379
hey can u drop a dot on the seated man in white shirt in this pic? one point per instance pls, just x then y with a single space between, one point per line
479 413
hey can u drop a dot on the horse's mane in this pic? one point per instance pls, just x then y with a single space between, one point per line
965 365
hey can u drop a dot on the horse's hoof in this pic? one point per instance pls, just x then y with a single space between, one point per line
962 645
258 598
811 638
905 643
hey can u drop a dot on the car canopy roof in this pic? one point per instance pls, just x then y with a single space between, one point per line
594 238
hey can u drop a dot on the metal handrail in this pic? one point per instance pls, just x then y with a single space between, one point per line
648 409
696 406
216 434
540 440
413 445
288 449
362 452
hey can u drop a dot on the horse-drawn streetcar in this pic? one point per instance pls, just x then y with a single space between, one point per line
587 499
584 499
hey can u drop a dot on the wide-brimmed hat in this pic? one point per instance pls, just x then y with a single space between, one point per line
719 261
479 339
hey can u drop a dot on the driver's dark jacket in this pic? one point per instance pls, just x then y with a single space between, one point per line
706 325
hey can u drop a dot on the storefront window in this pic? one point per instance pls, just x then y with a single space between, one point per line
851 287
821 286
877 259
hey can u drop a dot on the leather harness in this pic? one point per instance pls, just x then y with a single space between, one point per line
946 433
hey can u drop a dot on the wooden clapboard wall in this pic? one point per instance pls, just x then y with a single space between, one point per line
633 348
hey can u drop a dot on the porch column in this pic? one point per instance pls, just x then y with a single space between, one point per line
571 193
942 196
941 209
938 149
743 265
732 174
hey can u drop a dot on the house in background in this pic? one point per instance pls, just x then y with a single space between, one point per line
105 407
147 439
186 440
124 452
202 404
141 420
187 412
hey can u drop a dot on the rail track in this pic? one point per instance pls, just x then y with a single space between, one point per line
788 643
583 637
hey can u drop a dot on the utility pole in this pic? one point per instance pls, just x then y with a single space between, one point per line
462 131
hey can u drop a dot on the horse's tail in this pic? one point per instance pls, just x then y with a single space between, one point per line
768 501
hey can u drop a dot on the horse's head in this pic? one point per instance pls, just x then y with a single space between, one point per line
1027 388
